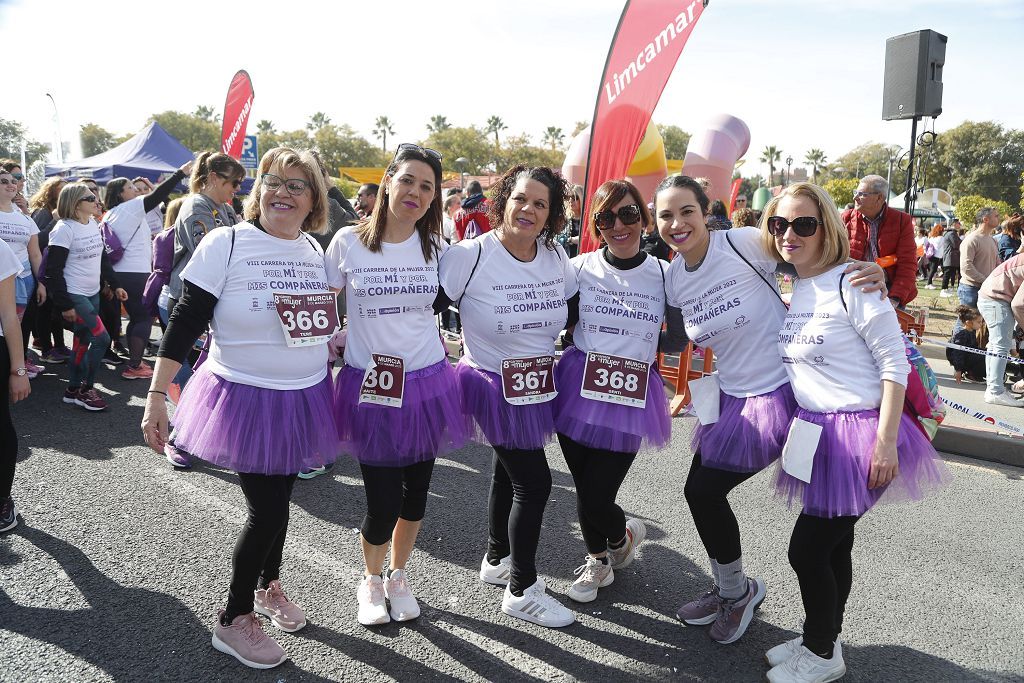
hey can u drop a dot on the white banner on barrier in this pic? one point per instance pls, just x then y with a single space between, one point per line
985 417
948 345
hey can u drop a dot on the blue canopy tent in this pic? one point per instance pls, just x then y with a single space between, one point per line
152 153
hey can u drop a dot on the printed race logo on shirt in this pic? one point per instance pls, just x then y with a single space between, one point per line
307 319
528 380
384 381
615 379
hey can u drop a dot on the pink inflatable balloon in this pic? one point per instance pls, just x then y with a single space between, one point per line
574 168
713 152
647 183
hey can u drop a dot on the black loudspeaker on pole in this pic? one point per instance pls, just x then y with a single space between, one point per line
913 86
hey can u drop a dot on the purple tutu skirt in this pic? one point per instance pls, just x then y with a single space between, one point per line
750 432
250 429
429 423
608 426
842 462
497 422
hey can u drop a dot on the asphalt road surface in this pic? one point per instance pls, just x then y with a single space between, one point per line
120 564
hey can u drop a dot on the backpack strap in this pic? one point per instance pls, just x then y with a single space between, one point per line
753 268
479 252
842 298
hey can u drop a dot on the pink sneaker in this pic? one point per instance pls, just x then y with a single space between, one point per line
283 613
144 371
33 370
245 641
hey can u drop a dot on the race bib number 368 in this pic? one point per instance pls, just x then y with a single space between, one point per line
615 379
307 319
528 380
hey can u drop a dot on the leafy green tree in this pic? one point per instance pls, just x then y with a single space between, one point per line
676 141
438 123
264 127
197 134
519 150
318 121
967 208
12 135
495 125
816 158
95 139
342 146
206 114
771 155
382 128
580 125
468 142
554 137
841 190
982 158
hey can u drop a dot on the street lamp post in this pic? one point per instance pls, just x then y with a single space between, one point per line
56 122
893 151
789 170
461 164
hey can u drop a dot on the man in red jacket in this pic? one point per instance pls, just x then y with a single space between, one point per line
882 234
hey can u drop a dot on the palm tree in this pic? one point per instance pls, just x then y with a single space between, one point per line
816 158
382 129
438 123
265 127
553 136
770 155
318 121
494 125
205 113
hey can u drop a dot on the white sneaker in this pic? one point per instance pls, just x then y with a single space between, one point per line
807 667
373 609
403 603
946 293
636 532
780 653
537 606
1004 398
498 574
593 574
930 287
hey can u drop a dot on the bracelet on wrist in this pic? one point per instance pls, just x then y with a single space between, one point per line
157 391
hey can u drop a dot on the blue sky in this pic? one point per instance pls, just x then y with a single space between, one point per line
801 74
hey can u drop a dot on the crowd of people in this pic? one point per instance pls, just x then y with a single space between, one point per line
258 305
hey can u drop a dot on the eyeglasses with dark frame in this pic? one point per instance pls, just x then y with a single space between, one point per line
432 153
294 186
235 182
804 226
89 198
629 215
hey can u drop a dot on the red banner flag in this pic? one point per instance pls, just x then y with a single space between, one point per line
648 41
236 114
733 193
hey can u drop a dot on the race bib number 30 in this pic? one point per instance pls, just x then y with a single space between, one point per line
384 381
528 380
615 379
307 319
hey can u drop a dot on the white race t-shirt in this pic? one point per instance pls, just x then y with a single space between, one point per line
732 311
85 248
509 309
249 344
123 219
9 265
17 229
621 311
836 357
389 299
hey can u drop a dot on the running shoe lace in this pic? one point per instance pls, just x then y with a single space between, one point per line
400 587
276 596
709 598
253 630
376 592
587 569
803 662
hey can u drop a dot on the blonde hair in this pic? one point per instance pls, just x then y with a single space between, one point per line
279 159
70 195
46 196
171 213
835 245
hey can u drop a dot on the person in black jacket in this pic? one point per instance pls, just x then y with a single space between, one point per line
973 334
950 254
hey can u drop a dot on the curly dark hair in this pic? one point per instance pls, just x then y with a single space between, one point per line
558 189
684 181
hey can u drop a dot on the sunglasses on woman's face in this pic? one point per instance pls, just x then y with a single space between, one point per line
235 182
629 215
90 198
804 226
432 153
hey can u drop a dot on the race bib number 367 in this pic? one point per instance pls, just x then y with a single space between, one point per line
615 379
307 319
528 380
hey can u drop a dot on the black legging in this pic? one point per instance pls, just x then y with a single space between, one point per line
28 319
257 557
8 437
393 492
598 474
520 486
140 321
950 275
706 490
933 267
48 330
110 316
821 553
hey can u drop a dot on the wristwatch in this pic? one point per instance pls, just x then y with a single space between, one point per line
20 372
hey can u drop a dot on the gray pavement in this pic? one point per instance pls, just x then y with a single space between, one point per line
120 564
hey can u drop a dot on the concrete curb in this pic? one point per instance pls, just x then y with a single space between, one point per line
981 445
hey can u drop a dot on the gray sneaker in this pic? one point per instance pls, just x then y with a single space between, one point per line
734 615
8 515
636 532
593 574
703 610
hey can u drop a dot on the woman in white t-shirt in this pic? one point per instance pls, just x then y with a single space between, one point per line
77 268
13 383
846 360
260 405
724 283
21 234
511 285
611 397
126 217
396 399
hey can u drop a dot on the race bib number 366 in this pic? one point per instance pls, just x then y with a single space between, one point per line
528 380
384 381
307 319
615 379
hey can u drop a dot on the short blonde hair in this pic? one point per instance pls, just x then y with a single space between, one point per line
274 162
835 248
172 211
69 197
